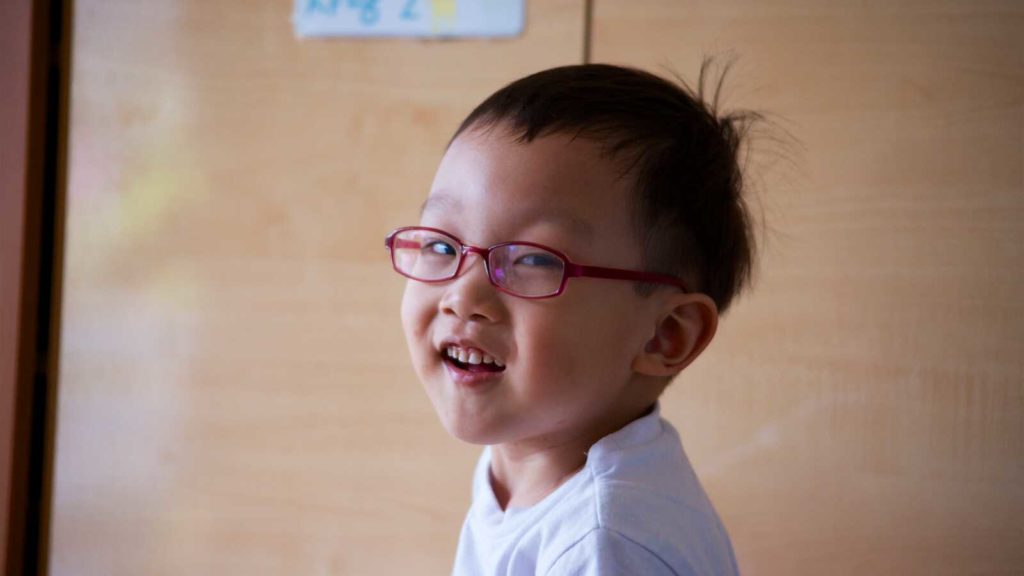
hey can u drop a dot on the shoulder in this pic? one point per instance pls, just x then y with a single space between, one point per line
682 530
648 493
604 551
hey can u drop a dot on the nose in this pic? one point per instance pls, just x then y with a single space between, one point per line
471 296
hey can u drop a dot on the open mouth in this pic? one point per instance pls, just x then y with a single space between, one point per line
471 359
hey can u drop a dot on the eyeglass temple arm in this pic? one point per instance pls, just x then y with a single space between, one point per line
394 242
577 270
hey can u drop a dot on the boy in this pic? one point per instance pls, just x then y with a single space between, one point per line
584 230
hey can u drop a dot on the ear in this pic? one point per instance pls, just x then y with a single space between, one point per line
684 328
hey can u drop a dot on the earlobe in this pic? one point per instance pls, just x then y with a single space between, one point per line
683 331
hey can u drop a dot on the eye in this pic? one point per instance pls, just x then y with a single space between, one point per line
539 260
439 247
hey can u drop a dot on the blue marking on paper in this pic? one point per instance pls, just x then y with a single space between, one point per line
413 18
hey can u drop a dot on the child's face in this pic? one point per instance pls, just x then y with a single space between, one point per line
568 359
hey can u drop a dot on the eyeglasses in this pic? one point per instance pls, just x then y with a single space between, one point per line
522 269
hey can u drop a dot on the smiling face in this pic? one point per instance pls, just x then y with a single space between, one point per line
560 367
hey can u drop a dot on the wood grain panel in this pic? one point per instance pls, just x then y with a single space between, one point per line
235 393
862 410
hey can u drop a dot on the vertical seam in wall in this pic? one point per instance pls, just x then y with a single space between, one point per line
51 58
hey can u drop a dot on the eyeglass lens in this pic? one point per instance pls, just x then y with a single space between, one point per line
522 269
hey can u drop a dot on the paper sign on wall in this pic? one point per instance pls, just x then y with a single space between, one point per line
414 18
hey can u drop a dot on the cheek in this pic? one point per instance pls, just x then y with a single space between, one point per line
417 314
572 343
593 339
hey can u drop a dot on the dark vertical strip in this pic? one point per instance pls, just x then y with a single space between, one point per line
588 24
41 289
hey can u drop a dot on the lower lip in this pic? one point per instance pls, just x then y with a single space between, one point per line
473 380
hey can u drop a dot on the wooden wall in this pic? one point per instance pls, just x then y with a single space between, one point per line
863 410
235 394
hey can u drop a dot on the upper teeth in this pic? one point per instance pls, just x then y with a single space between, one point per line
472 356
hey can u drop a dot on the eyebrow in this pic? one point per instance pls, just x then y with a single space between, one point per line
440 201
578 225
445 202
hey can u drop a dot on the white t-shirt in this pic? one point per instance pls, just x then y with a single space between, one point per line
636 507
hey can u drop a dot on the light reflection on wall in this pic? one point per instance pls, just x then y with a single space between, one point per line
132 301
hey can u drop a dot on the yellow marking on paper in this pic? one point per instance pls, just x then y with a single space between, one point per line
443 14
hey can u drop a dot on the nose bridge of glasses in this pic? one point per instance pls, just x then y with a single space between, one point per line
467 249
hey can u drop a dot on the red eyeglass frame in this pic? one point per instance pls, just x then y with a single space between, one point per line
570 270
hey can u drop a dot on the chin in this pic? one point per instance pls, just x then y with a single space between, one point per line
469 430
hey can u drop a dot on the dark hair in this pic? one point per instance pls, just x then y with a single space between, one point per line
690 213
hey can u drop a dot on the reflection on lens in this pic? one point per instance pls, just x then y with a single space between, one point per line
426 255
527 270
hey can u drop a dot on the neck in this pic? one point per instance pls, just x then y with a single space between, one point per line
524 472
522 476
